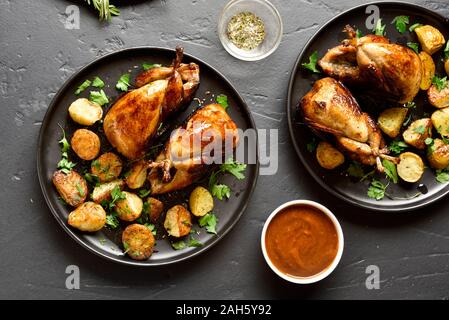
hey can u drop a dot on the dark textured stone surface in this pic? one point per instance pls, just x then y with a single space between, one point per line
38 55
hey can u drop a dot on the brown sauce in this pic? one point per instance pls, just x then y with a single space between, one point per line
301 241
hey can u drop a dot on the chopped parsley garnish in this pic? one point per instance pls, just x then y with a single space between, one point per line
312 145
446 50
313 59
390 170
112 221
410 105
222 100
414 46
83 87
358 34
377 190
397 147
209 221
420 129
379 29
179 245
99 97
220 191
144 193
414 26
65 165
98 83
440 83
80 190
123 82
152 228
116 195
442 176
355 170
401 23
148 66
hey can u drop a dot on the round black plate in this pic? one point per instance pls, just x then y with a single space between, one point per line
110 68
336 182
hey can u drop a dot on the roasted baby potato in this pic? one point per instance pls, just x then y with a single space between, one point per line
178 222
410 167
138 241
130 208
107 167
328 157
103 191
390 121
201 202
440 121
417 133
85 112
430 38
71 187
156 208
439 99
428 70
89 217
438 155
137 175
86 144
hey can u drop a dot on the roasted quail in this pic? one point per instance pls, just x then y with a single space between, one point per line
208 136
372 62
135 118
330 107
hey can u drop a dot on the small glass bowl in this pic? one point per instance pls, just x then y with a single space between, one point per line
273 28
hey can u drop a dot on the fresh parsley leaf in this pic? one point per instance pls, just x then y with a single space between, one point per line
420 129
313 59
148 66
440 83
390 170
220 191
65 145
112 221
116 195
355 170
210 222
410 105
414 46
194 243
234 168
428 141
397 147
83 87
179 245
222 100
414 26
152 228
312 145
377 190
442 176
401 23
65 165
80 190
98 83
99 97
358 34
379 29
144 193
123 82
91 178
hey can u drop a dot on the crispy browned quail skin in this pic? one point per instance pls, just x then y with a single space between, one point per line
375 64
182 162
330 107
135 117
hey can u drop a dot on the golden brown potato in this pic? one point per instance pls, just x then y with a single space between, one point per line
430 38
85 112
438 155
201 202
103 191
440 121
178 222
328 157
107 167
446 67
71 187
86 144
89 217
410 167
138 241
428 67
390 121
130 208
439 99
156 208
137 175
417 133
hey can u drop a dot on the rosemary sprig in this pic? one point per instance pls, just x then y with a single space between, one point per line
105 10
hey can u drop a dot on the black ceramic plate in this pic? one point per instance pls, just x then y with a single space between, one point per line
110 68
402 196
